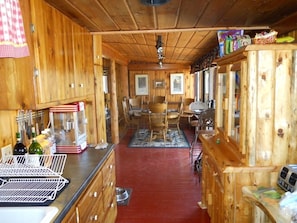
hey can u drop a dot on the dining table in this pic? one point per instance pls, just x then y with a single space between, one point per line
142 116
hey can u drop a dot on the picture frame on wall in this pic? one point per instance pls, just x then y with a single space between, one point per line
176 83
141 84
159 84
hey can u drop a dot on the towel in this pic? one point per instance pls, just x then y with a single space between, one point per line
12 34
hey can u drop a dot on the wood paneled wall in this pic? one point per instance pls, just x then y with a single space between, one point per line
163 75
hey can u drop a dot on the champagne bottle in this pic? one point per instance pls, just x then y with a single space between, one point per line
35 147
19 148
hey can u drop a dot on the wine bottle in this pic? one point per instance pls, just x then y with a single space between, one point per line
35 147
19 148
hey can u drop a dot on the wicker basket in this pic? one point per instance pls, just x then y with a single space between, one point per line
266 38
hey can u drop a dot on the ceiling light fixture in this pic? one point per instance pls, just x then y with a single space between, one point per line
154 2
159 46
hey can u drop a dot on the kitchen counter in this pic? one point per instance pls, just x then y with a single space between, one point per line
268 204
79 169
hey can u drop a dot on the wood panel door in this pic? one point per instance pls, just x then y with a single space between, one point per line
48 52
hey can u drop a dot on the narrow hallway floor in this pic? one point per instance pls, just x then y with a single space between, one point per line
165 189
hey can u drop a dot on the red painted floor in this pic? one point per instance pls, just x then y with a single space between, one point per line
165 189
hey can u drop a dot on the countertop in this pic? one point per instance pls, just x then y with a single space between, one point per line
270 206
80 169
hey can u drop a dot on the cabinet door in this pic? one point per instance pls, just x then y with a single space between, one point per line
62 56
228 100
83 64
221 99
47 27
234 105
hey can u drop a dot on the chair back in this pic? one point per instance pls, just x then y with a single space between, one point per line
158 116
186 104
135 103
159 99
158 107
125 111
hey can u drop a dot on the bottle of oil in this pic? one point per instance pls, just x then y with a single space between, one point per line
35 147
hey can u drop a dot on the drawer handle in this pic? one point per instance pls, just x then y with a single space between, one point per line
95 218
215 174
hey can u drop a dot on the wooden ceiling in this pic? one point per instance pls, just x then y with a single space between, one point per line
188 27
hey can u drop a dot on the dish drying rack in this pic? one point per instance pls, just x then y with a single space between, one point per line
31 178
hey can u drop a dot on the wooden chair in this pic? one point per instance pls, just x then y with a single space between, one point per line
173 118
158 124
159 99
130 120
185 109
135 103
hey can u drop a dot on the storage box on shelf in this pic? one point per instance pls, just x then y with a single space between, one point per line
98 201
255 128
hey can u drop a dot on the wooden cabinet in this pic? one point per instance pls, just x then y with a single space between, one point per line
98 202
90 206
60 66
71 216
255 127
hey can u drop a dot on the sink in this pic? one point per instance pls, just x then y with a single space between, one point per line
39 214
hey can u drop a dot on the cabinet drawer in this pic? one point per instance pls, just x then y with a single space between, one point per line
91 213
108 194
111 211
109 167
90 206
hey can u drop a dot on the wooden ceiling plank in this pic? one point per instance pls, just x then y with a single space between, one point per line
143 15
188 27
119 13
166 15
190 12
213 12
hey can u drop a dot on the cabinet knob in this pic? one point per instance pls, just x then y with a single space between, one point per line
81 85
110 166
71 85
95 194
111 184
94 218
112 205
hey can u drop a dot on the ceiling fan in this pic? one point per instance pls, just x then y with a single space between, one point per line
154 2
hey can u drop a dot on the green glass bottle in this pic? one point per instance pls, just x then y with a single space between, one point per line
19 148
35 147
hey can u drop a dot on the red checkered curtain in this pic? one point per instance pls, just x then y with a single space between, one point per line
12 34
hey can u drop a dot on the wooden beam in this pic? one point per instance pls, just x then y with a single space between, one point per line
156 66
110 53
286 25
180 30
114 112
